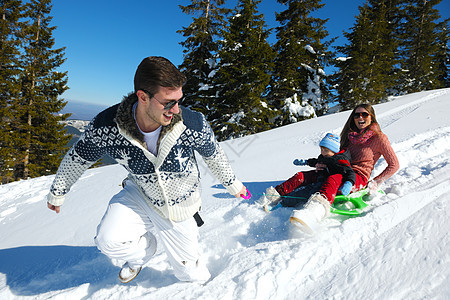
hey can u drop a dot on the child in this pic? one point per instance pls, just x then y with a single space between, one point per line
337 162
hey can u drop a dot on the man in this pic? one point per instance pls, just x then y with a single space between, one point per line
154 139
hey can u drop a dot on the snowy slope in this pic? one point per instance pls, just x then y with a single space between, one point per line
398 249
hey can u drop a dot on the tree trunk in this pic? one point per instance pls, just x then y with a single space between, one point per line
26 160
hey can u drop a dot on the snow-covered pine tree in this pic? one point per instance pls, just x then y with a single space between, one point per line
39 135
423 50
368 65
10 27
443 55
298 89
245 65
200 52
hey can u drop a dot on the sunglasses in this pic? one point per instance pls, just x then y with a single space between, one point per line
168 105
361 114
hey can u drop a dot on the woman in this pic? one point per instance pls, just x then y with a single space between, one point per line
363 138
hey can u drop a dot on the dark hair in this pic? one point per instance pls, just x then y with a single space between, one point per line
154 72
350 125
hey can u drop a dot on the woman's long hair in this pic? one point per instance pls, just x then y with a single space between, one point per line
350 125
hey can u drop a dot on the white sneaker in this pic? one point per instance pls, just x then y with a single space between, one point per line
127 273
271 196
316 209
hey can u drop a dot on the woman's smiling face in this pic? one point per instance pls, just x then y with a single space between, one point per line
362 118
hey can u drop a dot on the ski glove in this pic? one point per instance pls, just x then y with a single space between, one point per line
300 162
346 188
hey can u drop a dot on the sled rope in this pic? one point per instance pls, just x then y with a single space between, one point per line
263 194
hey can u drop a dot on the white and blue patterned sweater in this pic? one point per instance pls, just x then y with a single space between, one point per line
169 181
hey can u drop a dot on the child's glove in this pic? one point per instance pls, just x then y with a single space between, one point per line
346 188
300 162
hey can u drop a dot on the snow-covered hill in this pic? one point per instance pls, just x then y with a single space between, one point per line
398 249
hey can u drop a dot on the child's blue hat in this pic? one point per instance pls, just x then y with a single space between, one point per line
331 142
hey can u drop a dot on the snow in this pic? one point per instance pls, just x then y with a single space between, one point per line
80 125
310 49
297 109
236 118
343 58
204 87
397 249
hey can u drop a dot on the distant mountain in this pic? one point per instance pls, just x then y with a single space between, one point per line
75 128
82 110
82 113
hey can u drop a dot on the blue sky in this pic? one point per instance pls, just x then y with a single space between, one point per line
106 40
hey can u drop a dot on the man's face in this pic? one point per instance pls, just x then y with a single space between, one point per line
155 111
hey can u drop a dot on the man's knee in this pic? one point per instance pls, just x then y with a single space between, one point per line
106 241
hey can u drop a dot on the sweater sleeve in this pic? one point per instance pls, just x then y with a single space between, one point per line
391 159
83 154
347 171
312 162
349 174
215 158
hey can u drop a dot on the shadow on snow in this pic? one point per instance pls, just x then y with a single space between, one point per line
32 270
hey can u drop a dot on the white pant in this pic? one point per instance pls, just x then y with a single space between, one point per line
123 236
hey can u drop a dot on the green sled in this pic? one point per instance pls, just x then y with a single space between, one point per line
352 204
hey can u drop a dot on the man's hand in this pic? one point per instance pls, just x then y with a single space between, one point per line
55 208
242 192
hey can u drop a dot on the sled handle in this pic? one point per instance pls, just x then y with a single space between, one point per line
357 202
356 198
248 196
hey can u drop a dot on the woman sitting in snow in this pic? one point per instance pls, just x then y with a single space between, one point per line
303 184
366 142
361 136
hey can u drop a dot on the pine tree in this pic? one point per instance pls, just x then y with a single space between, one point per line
246 63
350 79
422 48
298 87
40 137
200 52
443 55
10 26
368 68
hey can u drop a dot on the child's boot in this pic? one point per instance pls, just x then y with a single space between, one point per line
271 196
315 210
